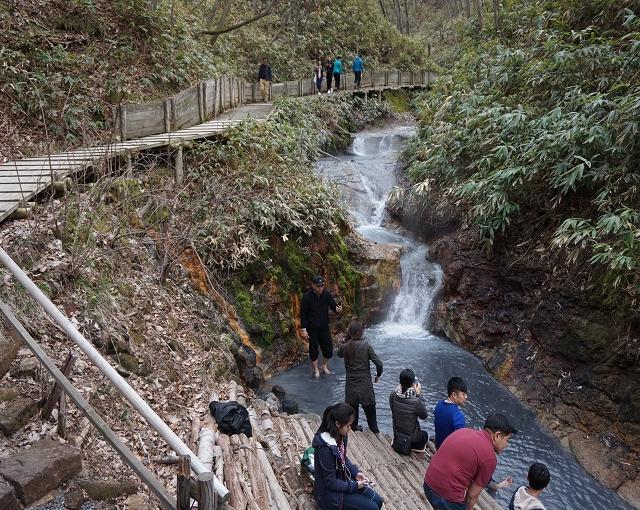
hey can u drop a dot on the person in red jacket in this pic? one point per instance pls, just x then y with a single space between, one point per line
464 464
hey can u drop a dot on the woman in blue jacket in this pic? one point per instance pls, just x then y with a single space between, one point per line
339 484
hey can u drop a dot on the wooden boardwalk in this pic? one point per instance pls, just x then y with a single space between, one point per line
173 121
284 485
22 180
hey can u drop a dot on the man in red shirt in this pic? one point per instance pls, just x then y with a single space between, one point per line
464 464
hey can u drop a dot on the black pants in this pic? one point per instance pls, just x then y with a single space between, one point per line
369 412
336 79
329 78
358 78
421 443
320 339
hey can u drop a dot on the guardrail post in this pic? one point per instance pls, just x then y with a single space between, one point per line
179 166
411 77
386 78
202 104
399 73
300 86
167 115
207 496
123 122
54 396
184 483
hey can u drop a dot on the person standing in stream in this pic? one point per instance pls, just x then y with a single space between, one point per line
358 354
314 322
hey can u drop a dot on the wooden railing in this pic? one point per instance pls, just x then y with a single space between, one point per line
208 99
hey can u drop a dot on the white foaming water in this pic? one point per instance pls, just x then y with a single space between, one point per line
366 176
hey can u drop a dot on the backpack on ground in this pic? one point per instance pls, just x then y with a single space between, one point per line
232 418
307 459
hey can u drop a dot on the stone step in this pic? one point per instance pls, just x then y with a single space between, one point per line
8 500
14 414
35 471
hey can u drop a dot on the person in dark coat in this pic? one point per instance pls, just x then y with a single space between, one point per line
357 354
314 323
264 78
339 484
318 75
328 67
407 405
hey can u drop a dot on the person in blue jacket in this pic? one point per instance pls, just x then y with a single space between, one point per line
338 69
339 484
447 416
358 68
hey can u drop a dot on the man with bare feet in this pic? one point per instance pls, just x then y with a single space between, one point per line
314 322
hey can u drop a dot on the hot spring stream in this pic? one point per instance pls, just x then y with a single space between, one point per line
365 175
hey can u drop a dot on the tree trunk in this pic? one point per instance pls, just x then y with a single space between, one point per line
480 14
496 15
467 8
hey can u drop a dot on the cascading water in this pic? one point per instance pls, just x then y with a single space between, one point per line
366 175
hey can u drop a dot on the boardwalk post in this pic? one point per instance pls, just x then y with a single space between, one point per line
207 496
167 115
215 98
300 94
62 416
184 483
411 77
179 168
202 103
386 78
254 92
123 122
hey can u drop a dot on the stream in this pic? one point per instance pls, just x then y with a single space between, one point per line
365 175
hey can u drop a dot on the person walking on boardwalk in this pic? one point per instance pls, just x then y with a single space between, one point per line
338 69
328 67
358 69
339 484
318 75
358 354
464 464
265 79
447 416
314 322
407 405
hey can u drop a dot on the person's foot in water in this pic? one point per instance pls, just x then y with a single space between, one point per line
325 368
314 366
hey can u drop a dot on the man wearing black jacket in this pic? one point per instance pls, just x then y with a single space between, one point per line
314 322
264 77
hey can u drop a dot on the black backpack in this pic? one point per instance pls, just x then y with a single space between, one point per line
232 418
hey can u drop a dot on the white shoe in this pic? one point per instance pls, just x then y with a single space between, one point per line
319 94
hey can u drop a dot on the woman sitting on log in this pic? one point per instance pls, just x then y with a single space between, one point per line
339 484
358 354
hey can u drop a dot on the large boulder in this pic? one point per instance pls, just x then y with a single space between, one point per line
597 459
381 274
14 414
8 500
35 471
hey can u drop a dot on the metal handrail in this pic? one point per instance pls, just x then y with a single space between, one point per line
127 455
176 444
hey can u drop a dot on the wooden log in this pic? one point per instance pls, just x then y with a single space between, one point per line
23 213
195 431
179 166
258 475
233 391
277 498
54 396
232 475
184 483
207 497
62 416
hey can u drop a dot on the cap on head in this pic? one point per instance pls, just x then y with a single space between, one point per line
498 423
317 280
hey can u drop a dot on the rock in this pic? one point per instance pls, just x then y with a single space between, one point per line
8 394
8 500
137 502
272 402
630 491
253 376
245 356
16 413
8 352
290 407
28 367
381 274
128 362
279 392
101 490
598 460
74 498
146 366
35 471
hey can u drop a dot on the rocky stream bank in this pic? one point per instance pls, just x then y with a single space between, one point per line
556 347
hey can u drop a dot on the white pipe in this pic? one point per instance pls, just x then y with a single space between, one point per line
96 358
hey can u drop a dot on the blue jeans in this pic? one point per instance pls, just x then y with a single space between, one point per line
365 499
439 503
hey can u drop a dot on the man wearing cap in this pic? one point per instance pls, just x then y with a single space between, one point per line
464 464
314 322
